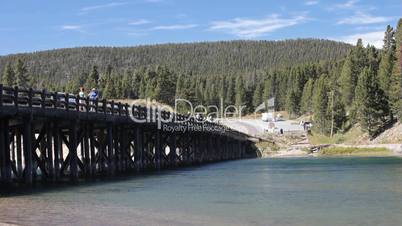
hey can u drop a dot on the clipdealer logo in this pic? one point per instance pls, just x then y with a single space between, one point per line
198 118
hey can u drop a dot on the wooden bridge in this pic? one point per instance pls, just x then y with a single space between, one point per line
56 136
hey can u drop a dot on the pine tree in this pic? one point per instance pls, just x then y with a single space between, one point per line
372 58
72 86
306 100
8 76
371 103
240 92
21 74
320 106
125 89
165 86
346 81
387 60
257 95
353 65
396 78
269 89
336 112
110 91
292 104
229 97
222 88
93 78
267 92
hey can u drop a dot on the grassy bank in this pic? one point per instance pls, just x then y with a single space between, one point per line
350 137
267 148
351 151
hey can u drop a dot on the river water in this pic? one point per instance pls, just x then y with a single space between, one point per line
292 191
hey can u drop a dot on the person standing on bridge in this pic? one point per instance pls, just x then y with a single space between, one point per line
93 95
82 95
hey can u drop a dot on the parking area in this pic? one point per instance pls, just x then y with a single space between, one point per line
257 126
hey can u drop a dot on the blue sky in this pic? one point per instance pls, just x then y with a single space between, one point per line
30 25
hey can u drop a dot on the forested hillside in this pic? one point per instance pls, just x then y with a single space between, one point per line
205 59
338 84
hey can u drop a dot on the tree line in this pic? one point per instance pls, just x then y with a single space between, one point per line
229 58
348 85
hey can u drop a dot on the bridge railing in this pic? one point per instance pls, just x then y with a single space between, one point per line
22 97
30 98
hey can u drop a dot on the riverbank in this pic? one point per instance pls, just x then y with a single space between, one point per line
272 150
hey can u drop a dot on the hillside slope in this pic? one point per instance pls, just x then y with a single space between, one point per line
206 58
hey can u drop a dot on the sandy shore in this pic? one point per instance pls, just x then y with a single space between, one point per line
300 151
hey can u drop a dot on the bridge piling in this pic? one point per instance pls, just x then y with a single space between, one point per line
27 147
172 150
73 143
138 148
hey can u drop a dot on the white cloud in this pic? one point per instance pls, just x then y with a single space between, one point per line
139 22
154 1
363 18
347 5
252 28
108 5
137 34
71 27
175 27
311 2
373 38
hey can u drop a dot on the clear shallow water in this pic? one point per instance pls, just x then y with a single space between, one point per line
296 191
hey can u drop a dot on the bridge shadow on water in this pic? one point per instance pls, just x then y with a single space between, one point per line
40 187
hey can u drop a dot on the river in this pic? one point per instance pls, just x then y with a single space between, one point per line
291 191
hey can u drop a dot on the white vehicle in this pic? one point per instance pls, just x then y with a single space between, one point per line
279 117
268 117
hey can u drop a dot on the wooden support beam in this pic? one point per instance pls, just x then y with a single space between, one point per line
86 157
125 149
172 153
117 150
158 149
49 136
19 151
12 149
101 150
188 148
57 144
111 157
92 149
5 151
27 148
73 136
139 148
196 149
